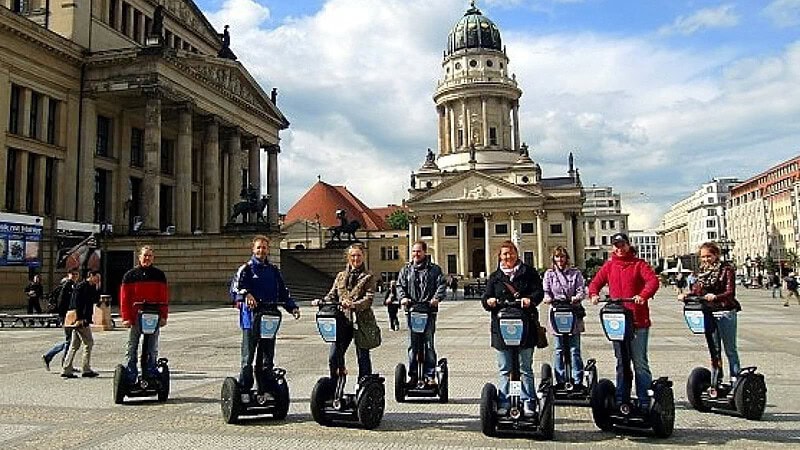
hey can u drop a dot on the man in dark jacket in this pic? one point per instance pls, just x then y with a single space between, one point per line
422 281
62 305
34 291
85 295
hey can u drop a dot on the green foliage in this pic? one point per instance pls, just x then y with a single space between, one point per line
398 220
592 266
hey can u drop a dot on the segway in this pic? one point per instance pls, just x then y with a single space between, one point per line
514 324
564 320
419 316
149 383
267 396
330 403
659 416
705 389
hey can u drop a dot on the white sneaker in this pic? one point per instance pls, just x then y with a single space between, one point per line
528 408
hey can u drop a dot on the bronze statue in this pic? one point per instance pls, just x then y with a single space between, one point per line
225 51
250 204
348 228
430 158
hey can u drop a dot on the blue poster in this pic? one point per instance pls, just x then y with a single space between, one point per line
20 242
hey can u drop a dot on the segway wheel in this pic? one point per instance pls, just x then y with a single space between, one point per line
163 389
371 405
547 422
546 373
751 396
443 382
489 410
323 392
231 400
400 383
602 404
120 384
699 381
663 412
282 400
591 380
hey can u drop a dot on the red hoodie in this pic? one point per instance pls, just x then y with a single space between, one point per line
143 285
627 276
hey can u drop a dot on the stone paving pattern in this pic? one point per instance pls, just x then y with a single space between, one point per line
39 409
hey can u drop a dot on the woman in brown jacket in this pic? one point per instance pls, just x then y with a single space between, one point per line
354 288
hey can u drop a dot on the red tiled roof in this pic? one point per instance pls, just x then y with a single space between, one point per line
322 201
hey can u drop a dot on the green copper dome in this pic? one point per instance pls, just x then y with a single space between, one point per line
474 30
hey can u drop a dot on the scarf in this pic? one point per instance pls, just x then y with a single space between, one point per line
710 275
512 272
352 275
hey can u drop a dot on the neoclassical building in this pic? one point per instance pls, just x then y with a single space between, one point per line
483 187
133 114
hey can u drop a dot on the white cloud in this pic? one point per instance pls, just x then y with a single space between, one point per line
783 13
723 16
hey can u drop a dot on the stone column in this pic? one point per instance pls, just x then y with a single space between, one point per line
25 100
440 129
22 179
570 234
122 177
484 118
541 216
234 169
5 100
254 164
488 250
211 175
40 179
85 168
272 184
515 118
436 251
151 182
463 268
412 233
465 125
68 171
451 139
183 172
513 233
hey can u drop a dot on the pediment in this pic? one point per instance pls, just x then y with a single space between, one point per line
472 187
187 12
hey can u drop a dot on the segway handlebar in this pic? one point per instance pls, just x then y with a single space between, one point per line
609 299
695 299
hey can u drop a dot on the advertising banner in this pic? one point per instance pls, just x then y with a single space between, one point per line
20 239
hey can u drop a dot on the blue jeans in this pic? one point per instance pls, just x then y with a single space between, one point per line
574 346
634 352
724 333
427 343
252 344
505 363
338 349
131 355
61 346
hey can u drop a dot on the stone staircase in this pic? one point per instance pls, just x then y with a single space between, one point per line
306 281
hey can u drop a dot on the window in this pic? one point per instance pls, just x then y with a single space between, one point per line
137 147
602 224
147 23
33 126
712 212
450 230
101 184
527 258
556 228
712 234
103 136
592 241
167 156
604 240
48 185
501 228
478 232
710 223
137 25
126 12
390 253
112 13
492 136
591 224
31 169
426 231
611 224
460 138
452 264
13 116
383 254
134 211
526 227
18 6
11 191
52 121
710 200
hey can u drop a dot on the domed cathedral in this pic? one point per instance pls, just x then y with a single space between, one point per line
483 188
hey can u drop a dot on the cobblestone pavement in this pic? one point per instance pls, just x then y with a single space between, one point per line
39 409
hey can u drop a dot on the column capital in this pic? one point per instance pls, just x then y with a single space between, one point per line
487 215
412 219
186 106
540 213
513 214
436 218
272 148
462 216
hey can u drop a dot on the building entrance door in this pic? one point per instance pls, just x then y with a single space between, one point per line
478 262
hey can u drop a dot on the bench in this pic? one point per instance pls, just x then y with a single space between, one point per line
30 320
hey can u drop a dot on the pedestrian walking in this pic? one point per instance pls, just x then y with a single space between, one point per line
34 292
791 288
392 303
62 305
775 283
85 295
453 285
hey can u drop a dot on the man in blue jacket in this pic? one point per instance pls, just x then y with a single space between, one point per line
422 281
258 282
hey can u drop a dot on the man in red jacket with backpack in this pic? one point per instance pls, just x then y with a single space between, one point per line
142 284
630 277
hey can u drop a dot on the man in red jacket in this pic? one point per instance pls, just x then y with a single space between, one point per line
629 277
142 284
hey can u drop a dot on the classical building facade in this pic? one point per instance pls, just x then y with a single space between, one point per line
133 114
483 187
646 243
602 217
763 216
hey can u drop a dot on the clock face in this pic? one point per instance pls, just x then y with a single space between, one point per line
489 63
473 63
458 66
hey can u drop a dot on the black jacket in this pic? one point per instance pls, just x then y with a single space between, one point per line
84 297
529 285
434 285
65 298
37 288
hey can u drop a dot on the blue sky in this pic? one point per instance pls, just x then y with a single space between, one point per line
654 97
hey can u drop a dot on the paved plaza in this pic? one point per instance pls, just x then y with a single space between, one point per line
39 409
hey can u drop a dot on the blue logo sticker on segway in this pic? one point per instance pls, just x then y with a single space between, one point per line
269 326
418 322
614 326
148 323
511 331
563 321
695 320
327 328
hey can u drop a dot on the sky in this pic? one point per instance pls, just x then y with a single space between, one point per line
653 97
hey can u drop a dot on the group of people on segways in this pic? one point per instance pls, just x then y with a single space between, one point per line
711 309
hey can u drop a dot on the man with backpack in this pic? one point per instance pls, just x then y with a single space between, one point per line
791 288
60 298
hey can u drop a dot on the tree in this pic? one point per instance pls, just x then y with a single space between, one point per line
398 220
592 266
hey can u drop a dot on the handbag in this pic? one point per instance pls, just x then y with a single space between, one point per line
366 332
71 319
541 336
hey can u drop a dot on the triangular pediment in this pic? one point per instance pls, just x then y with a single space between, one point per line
474 186
187 12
